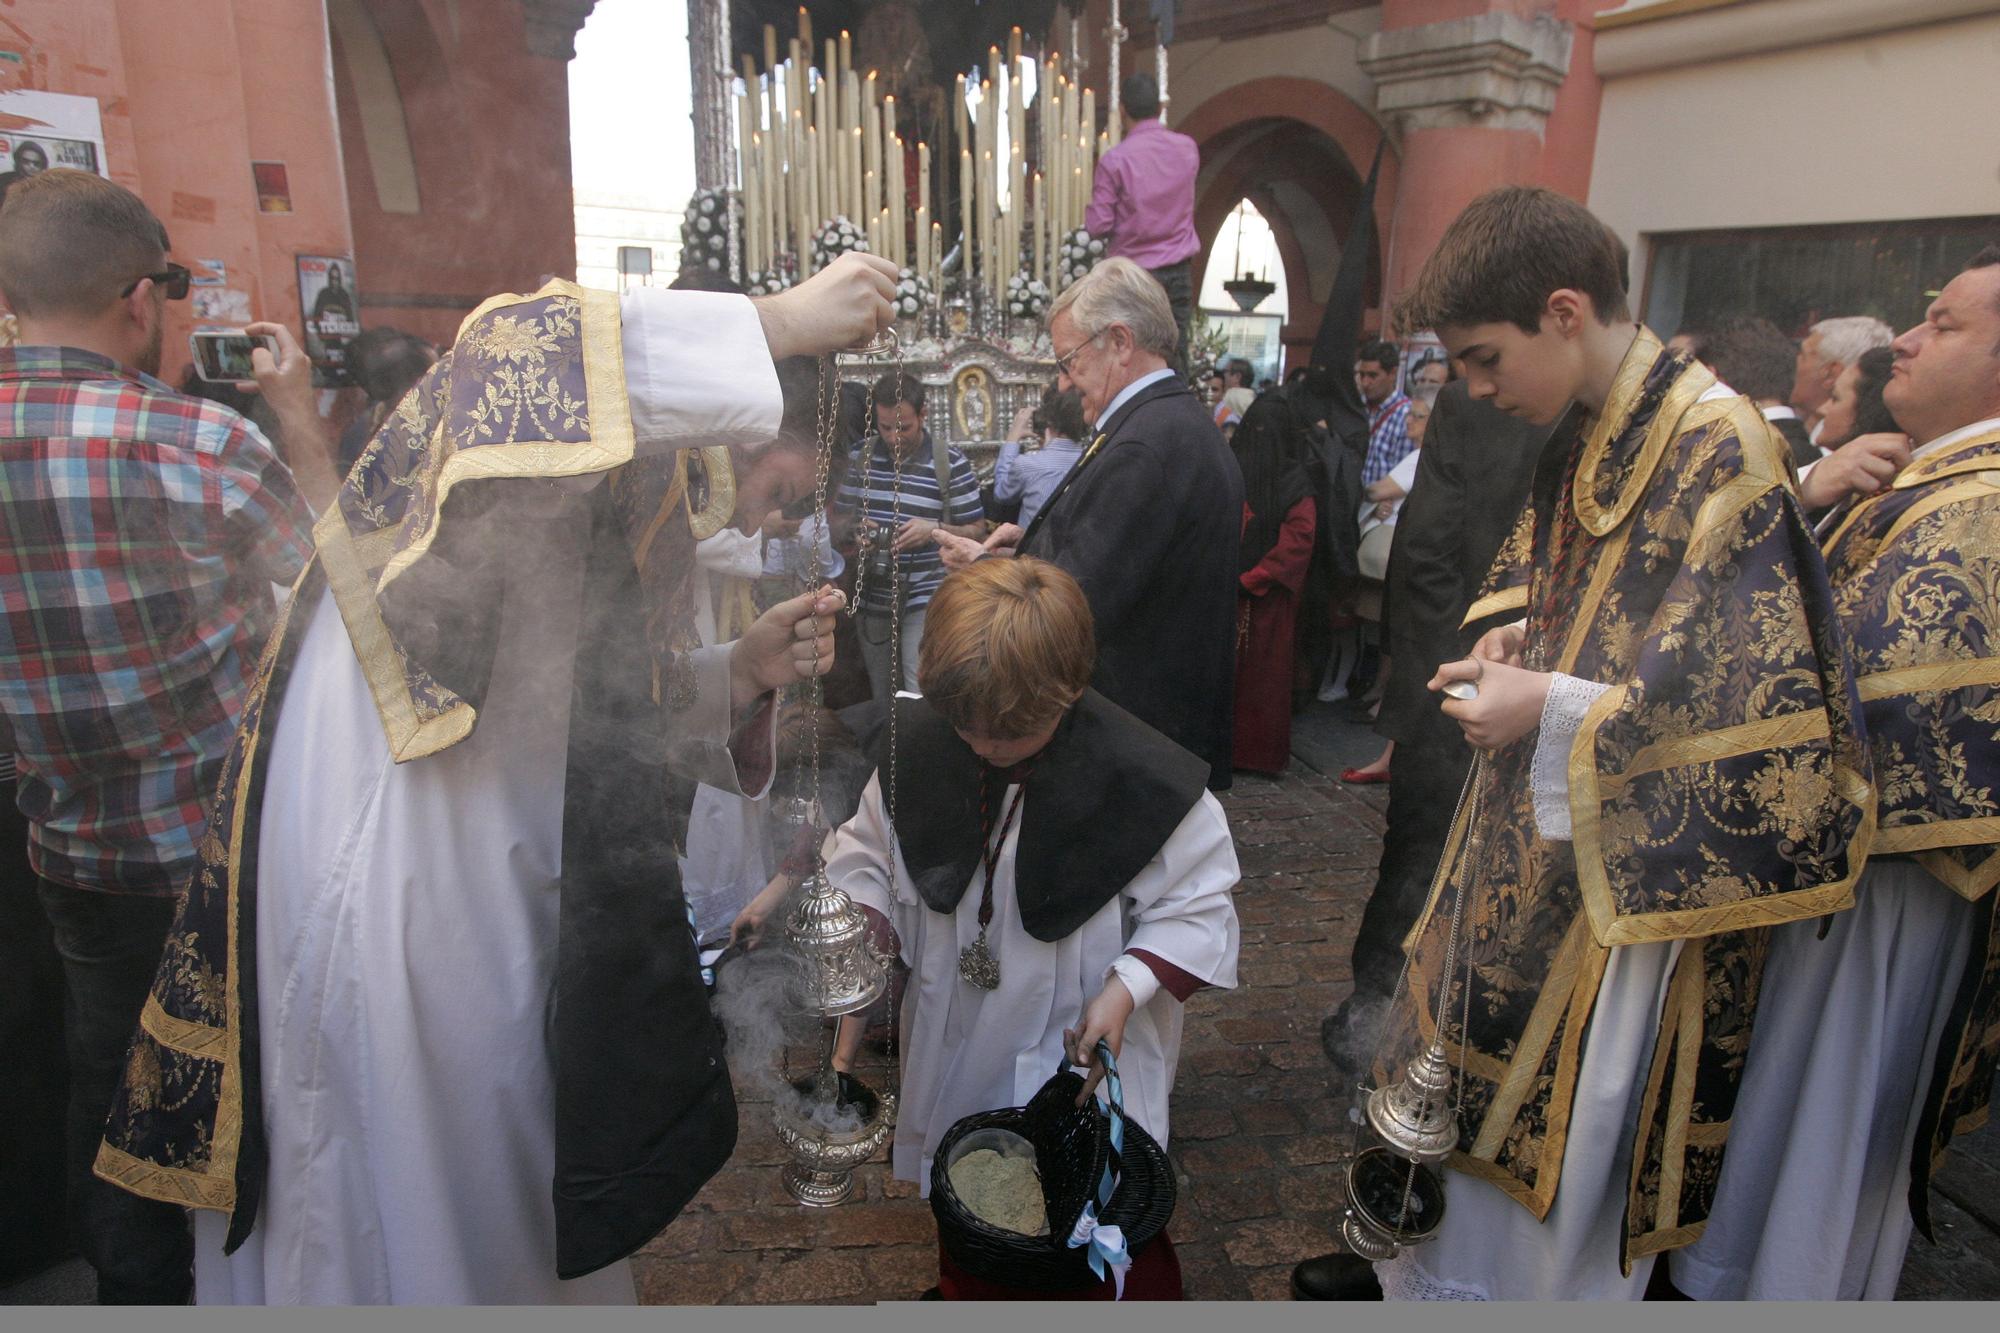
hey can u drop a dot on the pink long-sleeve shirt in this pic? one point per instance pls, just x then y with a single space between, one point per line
1143 200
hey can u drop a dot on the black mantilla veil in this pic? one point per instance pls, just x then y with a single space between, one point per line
1268 445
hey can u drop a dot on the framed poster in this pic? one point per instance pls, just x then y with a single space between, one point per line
43 130
326 296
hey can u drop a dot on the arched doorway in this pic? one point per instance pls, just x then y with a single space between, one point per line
1297 150
1246 247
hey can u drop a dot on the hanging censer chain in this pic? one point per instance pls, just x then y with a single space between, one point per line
1418 1119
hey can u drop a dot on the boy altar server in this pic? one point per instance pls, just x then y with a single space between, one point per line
1055 872
1676 762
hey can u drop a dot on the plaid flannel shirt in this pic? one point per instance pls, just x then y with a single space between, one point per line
140 533
1388 437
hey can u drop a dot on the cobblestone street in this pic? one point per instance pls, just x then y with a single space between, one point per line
1257 1134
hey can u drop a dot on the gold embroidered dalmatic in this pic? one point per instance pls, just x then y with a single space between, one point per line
1916 576
1719 786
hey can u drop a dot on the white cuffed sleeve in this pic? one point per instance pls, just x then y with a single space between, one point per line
1548 775
1182 906
697 370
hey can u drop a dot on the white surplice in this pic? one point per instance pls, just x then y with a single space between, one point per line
967 1050
1813 1202
407 914
1490 1247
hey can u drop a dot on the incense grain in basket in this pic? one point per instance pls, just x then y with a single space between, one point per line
1001 1190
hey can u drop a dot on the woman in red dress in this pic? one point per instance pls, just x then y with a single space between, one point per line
1278 524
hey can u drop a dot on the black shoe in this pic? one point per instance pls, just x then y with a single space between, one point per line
1336 1277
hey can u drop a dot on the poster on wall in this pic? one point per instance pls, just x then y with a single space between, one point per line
274 187
43 130
326 295
1426 367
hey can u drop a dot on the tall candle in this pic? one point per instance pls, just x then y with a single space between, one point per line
923 175
937 257
965 212
770 48
1041 232
805 28
871 152
857 206
813 202
746 238
988 211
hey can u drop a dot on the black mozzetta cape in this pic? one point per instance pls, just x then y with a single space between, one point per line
1148 522
1103 797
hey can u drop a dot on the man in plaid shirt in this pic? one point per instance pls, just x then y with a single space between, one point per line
1388 410
141 532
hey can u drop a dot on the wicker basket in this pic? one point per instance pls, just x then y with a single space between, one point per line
1073 1149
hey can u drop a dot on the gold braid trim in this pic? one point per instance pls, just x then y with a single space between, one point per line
1586 819
410 735
1957 674
1770 733
1507 599
1531 1050
1972 884
1982 487
196 1039
167 1184
1949 462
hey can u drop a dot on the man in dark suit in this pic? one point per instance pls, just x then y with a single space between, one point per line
1472 482
1148 520
1753 357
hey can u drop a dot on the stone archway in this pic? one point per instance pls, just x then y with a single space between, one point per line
1297 149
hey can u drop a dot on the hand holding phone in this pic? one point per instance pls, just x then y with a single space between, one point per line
222 356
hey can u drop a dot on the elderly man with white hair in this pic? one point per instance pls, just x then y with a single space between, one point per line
1830 347
1148 518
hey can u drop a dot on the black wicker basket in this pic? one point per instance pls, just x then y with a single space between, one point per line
1076 1161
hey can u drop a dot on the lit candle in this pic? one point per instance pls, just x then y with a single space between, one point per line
846 55
805 28
857 208
871 149
923 175
937 257
811 221
923 264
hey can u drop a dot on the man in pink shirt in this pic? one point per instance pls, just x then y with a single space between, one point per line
1143 201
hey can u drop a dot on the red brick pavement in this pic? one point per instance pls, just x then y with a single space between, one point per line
1257 1135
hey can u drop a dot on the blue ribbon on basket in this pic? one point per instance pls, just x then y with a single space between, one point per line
1106 1242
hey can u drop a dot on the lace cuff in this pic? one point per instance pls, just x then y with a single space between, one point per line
1548 776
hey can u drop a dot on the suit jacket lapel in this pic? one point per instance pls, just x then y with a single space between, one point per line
1161 389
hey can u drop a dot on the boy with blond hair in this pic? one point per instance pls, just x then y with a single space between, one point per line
1054 871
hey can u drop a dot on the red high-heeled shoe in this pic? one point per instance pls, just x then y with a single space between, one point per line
1364 776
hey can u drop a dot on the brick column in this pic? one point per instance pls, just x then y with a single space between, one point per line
1470 99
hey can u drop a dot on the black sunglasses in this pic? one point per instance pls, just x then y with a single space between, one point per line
174 282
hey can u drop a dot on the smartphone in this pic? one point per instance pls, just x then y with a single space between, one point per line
222 356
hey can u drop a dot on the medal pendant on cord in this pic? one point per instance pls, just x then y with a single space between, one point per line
977 964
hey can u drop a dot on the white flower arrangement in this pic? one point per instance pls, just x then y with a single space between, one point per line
705 230
1079 254
1027 297
767 282
912 294
834 239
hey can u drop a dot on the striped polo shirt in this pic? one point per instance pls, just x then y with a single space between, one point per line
888 497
